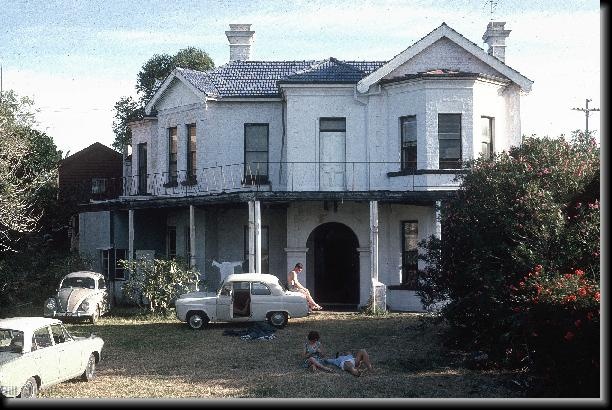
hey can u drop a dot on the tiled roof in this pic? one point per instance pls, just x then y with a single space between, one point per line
261 78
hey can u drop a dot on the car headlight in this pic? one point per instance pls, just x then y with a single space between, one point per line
84 306
51 305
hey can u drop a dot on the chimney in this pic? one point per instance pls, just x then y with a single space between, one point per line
240 38
495 38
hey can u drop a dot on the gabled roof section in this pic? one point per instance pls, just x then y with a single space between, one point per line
444 31
95 147
182 75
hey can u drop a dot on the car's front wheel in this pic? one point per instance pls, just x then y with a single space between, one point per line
90 369
197 320
277 319
29 389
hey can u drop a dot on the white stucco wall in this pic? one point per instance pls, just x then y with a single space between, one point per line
94 228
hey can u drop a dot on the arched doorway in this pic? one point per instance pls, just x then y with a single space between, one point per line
332 252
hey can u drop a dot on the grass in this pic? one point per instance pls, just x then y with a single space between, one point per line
153 357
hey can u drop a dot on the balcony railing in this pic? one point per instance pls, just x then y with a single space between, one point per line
283 176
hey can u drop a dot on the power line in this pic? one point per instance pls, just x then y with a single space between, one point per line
587 112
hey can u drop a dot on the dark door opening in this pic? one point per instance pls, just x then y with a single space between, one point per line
336 265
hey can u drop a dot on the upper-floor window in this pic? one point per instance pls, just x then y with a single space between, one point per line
98 185
191 152
256 153
172 155
409 142
486 136
410 232
449 137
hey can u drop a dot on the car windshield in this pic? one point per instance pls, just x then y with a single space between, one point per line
11 340
79 282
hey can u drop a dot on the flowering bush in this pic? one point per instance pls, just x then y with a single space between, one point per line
555 329
537 204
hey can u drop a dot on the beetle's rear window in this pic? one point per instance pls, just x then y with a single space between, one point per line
11 340
79 282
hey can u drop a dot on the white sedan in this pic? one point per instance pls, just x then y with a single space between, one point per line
242 297
37 352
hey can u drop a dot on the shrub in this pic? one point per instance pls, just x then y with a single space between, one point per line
536 204
157 283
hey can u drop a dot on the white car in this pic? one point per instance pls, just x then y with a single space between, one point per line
242 297
37 352
80 294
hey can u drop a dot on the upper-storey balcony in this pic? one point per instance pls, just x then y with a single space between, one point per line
290 177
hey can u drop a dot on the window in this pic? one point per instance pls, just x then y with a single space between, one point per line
449 136
172 155
98 185
142 168
111 267
101 283
258 288
486 141
332 124
191 153
264 247
41 338
409 142
410 254
256 153
60 335
120 255
171 242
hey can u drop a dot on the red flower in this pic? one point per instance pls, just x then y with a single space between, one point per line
578 323
582 292
596 296
568 336
590 316
579 272
570 298
521 284
538 268
568 276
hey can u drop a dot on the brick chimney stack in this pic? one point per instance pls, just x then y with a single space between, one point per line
495 38
240 38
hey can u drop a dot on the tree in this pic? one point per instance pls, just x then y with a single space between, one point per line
28 170
152 73
521 240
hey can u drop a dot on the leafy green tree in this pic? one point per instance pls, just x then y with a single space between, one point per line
534 206
157 283
152 73
28 170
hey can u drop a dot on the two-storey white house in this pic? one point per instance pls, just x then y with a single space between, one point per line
258 165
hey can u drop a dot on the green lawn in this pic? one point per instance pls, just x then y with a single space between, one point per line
163 358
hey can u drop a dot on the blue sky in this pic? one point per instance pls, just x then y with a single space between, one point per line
77 58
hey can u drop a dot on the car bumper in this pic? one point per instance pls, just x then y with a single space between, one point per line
67 314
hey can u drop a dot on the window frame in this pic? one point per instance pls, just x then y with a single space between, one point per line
171 240
453 163
172 177
403 147
256 178
192 161
405 280
491 136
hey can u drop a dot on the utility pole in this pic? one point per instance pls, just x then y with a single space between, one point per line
492 5
587 111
